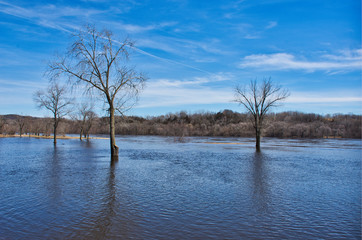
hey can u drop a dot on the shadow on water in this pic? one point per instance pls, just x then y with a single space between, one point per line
260 192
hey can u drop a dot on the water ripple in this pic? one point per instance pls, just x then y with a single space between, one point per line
161 189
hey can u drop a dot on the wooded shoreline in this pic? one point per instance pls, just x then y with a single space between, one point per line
223 124
45 136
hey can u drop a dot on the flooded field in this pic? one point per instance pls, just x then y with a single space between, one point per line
202 188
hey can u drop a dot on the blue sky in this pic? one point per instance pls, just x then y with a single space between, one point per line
196 52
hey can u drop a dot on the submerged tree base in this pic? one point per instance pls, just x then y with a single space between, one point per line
114 152
114 160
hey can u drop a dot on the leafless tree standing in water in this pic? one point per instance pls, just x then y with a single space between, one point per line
100 63
55 100
20 120
258 99
85 117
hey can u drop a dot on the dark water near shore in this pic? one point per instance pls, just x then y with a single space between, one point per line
161 189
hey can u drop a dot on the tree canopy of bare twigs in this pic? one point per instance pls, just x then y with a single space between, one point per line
85 117
258 99
55 100
99 62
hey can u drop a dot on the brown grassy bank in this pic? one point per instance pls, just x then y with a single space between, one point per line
46 137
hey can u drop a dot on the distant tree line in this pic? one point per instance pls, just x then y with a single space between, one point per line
226 123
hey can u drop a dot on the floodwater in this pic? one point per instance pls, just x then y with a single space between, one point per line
162 189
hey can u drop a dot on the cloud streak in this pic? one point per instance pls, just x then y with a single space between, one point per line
198 91
348 60
50 16
168 92
323 99
135 28
271 24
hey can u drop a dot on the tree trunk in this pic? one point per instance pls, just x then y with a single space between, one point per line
80 135
55 134
114 147
55 130
257 138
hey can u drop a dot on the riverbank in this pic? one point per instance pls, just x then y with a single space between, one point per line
46 137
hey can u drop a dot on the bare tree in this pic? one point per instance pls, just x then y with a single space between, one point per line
55 100
85 118
20 120
258 99
36 126
91 117
100 63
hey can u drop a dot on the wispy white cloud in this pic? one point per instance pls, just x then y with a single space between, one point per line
57 17
173 93
134 28
194 82
192 27
62 17
168 92
234 7
49 16
246 30
209 46
14 85
167 97
170 61
49 11
185 47
324 97
201 51
157 43
271 24
200 59
249 31
19 57
252 36
346 55
348 60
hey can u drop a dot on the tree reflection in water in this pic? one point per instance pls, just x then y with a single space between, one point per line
53 183
97 204
117 218
107 213
260 192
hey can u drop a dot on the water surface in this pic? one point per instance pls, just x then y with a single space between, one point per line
162 189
